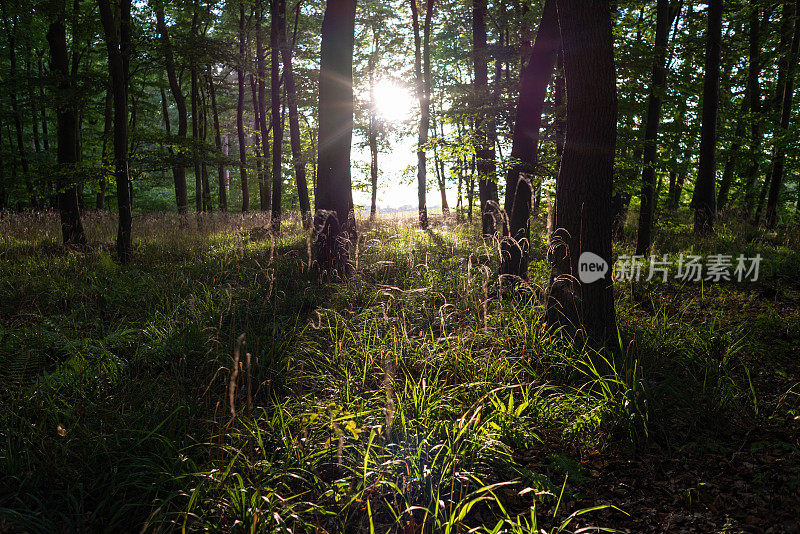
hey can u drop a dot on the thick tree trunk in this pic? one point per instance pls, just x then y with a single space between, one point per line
277 41
240 115
535 77
584 186
178 170
294 127
779 154
704 200
334 219
665 14
67 157
222 182
484 151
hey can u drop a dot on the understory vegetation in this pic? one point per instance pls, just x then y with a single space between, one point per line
216 383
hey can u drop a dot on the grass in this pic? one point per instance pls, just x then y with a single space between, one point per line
216 384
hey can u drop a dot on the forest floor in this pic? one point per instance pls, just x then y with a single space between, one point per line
216 383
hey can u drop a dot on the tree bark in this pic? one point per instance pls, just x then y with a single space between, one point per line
535 77
704 200
178 170
754 89
665 14
261 105
294 127
584 185
779 154
334 219
119 67
222 182
422 73
484 151
67 155
277 44
240 115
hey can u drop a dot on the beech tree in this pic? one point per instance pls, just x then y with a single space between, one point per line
584 184
334 218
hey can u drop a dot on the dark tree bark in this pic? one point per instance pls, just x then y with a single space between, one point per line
733 153
195 97
178 170
334 219
665 14
108 117
67 156
222 183
704 200
277 42
535 77
118 41
240 115
422 73
484 151
754 89
11 29
584 185
260 105
294 126
372 131
779 154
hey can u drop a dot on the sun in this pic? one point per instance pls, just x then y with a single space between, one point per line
393 100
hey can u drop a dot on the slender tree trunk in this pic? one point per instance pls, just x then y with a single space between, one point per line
779 154
11 29
178 170
754 89
100 201
665 13
535 77
584 186
422 77
261 106
334 219
240 114
207 206
277 44
222 181
484 152
118 63
195 97
294 126
733 153
440 164
704 200
71 227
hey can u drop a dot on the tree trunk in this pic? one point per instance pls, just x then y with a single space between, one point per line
178 170
665 13
334 219
240 115
535 77
422 78
118 63
584 186
198 176
277 41
779 154
100 202
754 89
67 156
11 29
261 113
733 153
484 152
294 127
704 200
222 181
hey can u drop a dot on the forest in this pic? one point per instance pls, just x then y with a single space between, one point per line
400 266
